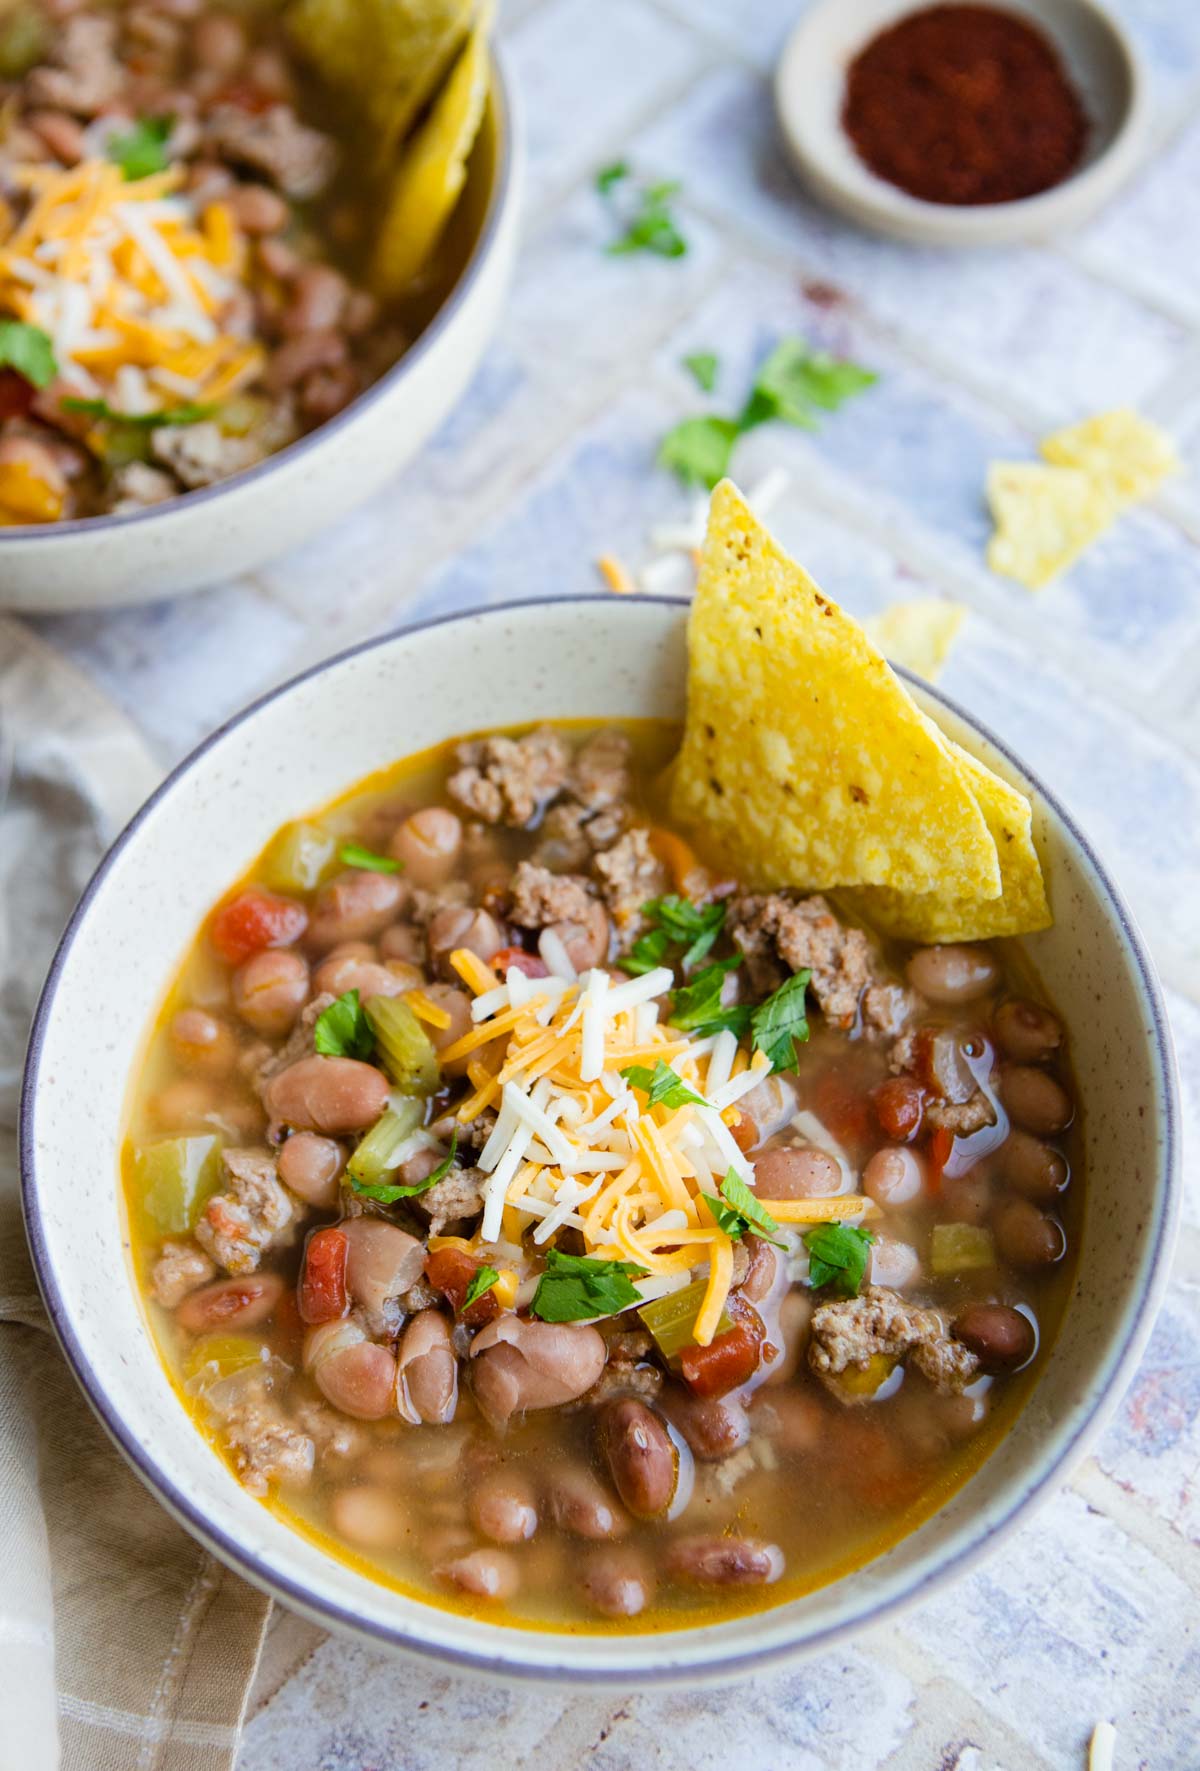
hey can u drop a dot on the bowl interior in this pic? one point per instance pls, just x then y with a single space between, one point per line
297 749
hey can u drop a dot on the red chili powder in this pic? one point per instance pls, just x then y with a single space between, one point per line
964 104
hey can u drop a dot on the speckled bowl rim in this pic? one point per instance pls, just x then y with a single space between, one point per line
500 197
509 1666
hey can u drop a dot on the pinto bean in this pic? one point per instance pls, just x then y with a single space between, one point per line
1001 1337
581 1504
893 1263
795 1314
328 1095
967 1198
230 1303
523 1364
458 926
894 1175
218 41
258 210
270 989
488 1574
279 260
369 1515
457 1004
361 312
503 1506
356 1375
63 135
796 1171
768 1106
1035 1170
640 1457
1027 1032
706 1561
318 297
429 845
355 905
311 1167
404 943
1026 1236
952 974
617 1580
203 1042
1035 1101
793 1417
325 392
367 976
587 942
382 1261
426 1371
761 1273
710 1427
300 356
267 68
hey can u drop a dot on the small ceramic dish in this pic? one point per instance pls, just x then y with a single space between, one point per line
107 561
589 658
1097 53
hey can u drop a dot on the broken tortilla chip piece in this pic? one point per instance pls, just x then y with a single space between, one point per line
1021 908
804 759
433 170
1122 453
917 634
1045 517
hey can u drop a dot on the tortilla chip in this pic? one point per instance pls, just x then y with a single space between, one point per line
386 57
1123 454
804 759
1021 907
917 634
1045 517
433 170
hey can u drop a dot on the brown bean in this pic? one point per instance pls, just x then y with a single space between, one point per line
793 1417
1001 1338
617 1580
488 1574
325 392
404 943
258 210
317 301
367 976
894 1175
521 1364
218 41
952 974
270 989
361 313
503 1506
795 1315
370 1516
1035 1101
1026 1236
267 68
641 1458
61 134
298 357
311 1167
966 1198
230 1303
707 1561
354 906
426 1371
328 1095
457 1004
203 1042
459 926
1027 1032
893 1263
279 260
1035 1170
795 1171
587 941
382 1261
581 1504
710 1427
768 1105
429 846
762 1271
357 1379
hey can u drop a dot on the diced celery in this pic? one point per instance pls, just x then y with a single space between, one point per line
958 1248
406 1049
24 40
176 1179
671 1319
298 857
225 1353
864 1380
376 1156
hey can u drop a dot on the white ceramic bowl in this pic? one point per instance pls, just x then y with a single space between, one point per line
296 749
103 562
1098 54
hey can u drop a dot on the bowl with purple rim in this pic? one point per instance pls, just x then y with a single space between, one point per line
294 750
239 523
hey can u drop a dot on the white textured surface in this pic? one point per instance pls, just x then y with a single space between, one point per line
1093 1612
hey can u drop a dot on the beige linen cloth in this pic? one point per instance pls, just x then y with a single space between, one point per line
123 1645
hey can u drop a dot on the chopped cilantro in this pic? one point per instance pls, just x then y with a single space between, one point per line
354 854
343 1031
483 1281
692 926
612 175
738 1210
697 1007
575 1288
648 952
781 1022
703 366
188 413
142 150
29 351
838 1255
387 1193
662 1086
699 449
649 225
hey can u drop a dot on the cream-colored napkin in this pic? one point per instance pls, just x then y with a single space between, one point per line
123 1645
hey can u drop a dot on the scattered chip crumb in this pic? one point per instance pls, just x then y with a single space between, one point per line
1100 1753
917 634
1045 517
1122 453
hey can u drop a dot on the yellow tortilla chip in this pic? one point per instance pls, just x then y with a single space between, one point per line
804 759
1021 907
917 634
1045 517
433 170
1123 454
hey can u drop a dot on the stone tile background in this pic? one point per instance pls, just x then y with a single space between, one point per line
549 462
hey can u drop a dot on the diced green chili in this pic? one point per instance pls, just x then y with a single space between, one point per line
958 1248
672 1319
375 1157
298 857
176 1179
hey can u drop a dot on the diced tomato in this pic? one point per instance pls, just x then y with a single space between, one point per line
529 963
244 95
322 1296
450 1271
730 1359
256 919
899 1107
843 1107
940 1146
16 395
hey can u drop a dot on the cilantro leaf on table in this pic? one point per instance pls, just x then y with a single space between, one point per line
838 1255
699 450
575 1288
738 1210
644 211
29 351
780 1023
611 175
343 1030
662 1086
141 150
697 1007
703 367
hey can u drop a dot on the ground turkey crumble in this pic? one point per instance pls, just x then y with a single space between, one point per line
540 897
954 1101
880 1321
630 875
508 780
179 1269
255 1214
781 933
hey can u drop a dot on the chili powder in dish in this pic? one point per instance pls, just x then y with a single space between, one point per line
964 105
